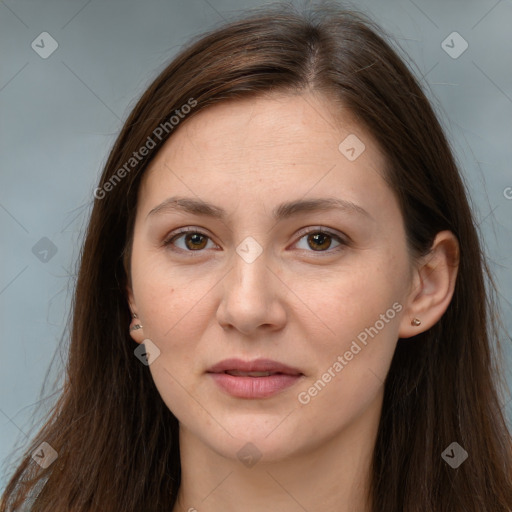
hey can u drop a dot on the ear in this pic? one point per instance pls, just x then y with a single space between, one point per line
136 333
433 285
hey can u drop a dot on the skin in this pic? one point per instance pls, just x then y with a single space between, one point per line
301 303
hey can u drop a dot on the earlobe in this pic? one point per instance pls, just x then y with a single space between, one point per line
434 286
136 327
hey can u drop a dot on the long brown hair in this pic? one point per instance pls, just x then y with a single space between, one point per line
116 440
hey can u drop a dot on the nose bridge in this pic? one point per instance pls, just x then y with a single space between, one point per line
249 290
250 274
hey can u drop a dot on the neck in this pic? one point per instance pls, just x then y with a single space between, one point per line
334 475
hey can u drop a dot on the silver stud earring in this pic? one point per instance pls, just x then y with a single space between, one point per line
416 322
136 327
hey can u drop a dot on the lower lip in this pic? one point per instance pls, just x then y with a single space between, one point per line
254 387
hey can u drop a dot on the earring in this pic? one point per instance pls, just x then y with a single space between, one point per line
416 322
136 327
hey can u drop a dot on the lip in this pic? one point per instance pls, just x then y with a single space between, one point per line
249 387
256 365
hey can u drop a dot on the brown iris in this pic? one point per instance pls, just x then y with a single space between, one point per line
321 239
197 240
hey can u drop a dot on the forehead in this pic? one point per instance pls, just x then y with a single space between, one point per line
269 125
278 144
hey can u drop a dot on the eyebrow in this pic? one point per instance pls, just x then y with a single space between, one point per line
283 211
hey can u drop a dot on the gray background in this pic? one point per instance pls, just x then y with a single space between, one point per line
59 117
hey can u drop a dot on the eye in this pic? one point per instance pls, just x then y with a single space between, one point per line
193 240
320 240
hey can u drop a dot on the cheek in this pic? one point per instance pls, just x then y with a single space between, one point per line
170 297
175 320
343 304
360 322
352 367
176 308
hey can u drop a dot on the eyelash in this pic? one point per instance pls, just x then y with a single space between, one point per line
168 242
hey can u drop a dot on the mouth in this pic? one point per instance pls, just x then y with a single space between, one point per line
261 378
238 373
255 368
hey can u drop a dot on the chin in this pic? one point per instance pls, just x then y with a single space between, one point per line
265 439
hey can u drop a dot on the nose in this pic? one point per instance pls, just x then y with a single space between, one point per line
252 297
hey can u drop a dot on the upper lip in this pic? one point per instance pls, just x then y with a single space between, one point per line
256 365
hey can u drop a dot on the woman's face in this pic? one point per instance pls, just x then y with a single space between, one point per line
263 273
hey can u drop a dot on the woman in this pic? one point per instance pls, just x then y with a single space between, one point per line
281 303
